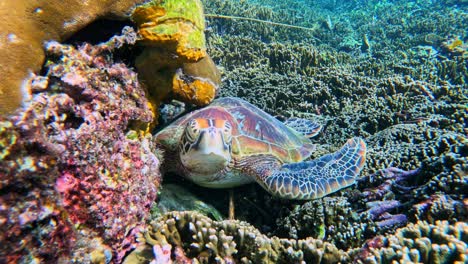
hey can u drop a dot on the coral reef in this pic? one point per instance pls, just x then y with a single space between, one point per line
174 63
77 171
365 68
191 235
403 92
419 243
25 25
76 179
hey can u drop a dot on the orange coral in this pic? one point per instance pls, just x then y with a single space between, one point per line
197 83
198 92
175 63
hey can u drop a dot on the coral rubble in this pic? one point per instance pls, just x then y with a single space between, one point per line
75 178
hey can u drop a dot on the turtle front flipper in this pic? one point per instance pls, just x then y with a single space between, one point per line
314 179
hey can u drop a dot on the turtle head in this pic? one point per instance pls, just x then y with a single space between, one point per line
206 145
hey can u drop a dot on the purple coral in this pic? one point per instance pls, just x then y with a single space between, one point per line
392 178
74 175
380 200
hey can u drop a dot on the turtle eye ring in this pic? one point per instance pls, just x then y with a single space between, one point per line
192 131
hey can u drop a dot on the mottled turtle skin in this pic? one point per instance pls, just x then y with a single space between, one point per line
231 142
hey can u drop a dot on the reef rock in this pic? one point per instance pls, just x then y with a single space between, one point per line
26 25
75 178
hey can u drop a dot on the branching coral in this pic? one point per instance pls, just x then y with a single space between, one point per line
192 235
420 243
331 219
440 207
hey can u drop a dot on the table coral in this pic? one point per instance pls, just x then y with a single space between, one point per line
76 178
25 25
174 63
192 235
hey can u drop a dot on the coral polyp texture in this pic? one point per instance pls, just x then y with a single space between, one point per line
190 236
331 219
25 25
419 243
76 179
174 63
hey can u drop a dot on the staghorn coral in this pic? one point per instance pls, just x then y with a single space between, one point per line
25 25
174 63
192 235
75 178
420 243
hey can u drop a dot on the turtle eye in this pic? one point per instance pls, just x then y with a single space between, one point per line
227 132
192 131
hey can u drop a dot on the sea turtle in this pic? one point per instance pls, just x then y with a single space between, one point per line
231 142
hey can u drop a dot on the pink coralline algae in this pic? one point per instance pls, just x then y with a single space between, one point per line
78 173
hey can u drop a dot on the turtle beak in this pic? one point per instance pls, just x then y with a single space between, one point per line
209 154
211 143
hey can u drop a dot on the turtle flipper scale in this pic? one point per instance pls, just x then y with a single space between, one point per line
322 176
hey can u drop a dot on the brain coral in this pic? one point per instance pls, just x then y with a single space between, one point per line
25 25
